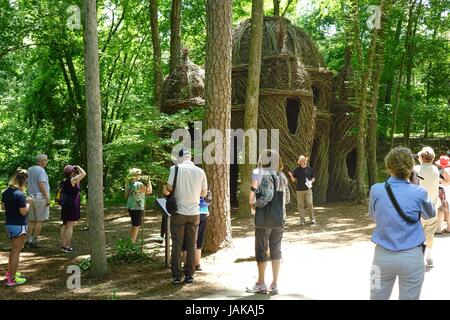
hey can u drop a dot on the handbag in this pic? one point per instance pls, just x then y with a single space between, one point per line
171 202
271 216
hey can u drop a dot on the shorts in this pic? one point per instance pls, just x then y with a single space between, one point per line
268 244
38 209
14 231
136 217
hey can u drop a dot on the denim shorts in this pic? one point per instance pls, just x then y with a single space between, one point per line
14 231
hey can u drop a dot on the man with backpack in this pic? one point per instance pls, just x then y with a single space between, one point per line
188 182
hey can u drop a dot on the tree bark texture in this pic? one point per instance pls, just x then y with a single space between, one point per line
252 100
218 116
94 141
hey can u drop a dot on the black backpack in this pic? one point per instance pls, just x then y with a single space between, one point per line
171 202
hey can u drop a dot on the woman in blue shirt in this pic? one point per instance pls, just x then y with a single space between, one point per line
399 239
16 208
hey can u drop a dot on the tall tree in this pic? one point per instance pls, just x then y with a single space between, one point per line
375 86
391 61
276 8
395 105
218 116
94 141
252 100
175 34
363 73
157 67
410 48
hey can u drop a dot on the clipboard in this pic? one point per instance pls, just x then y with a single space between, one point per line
161 204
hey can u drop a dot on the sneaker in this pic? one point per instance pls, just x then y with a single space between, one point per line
257 288
176 280
68 250
198 268
85 228
160 239
188 279
17 280
273 289
313 221
430 263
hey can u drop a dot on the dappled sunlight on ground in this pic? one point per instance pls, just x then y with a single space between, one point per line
329 260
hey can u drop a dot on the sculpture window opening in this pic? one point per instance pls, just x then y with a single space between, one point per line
316 95
351 164
292 111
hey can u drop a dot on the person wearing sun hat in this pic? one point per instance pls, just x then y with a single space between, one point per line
429 180
304 178
135 195
443 162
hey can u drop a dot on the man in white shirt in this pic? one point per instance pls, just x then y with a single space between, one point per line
190 186
429 180
39 189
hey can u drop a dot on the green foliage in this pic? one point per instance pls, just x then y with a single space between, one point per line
42 105
85 264
113 295
127 252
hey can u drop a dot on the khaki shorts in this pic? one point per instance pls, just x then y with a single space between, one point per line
38 209
429 228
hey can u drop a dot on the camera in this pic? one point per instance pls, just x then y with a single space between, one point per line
76 170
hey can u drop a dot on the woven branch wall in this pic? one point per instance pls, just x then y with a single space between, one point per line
183 88
292 72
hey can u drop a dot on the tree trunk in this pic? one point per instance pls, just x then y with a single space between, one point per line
372 142
276 8
390 80
94 141
409 49
175 35
157 66
361 99
252 100
218 116
428 95
397 100
372 127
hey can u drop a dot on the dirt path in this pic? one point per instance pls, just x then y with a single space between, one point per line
327 261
